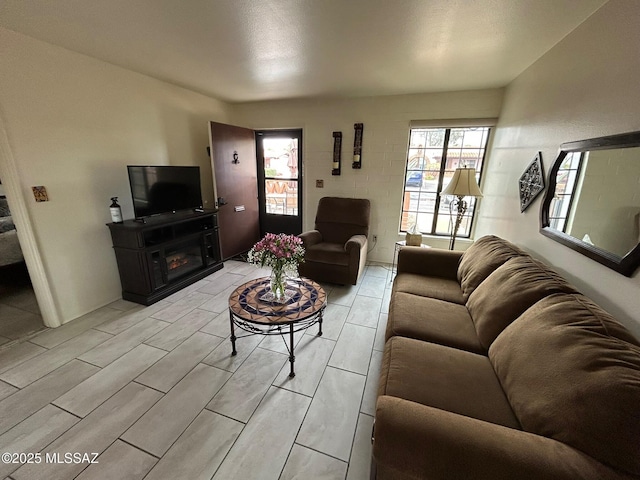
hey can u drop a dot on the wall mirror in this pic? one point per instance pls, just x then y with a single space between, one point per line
592 204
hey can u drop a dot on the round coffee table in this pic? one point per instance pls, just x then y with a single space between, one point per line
258 317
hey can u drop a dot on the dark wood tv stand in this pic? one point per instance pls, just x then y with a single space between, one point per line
165 253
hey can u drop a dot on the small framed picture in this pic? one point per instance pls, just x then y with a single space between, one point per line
531 183
40 193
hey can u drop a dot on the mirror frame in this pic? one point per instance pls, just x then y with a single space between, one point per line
625 265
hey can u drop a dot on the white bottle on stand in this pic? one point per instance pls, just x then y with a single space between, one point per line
116 211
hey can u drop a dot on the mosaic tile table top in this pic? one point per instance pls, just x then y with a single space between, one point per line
308 299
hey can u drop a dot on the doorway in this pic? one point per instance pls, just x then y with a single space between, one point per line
19 310
279 162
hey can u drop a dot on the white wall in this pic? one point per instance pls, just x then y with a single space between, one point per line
384 147
73 124
586 86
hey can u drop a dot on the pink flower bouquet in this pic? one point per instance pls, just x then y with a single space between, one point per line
282 253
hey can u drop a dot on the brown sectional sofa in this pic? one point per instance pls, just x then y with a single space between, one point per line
495 367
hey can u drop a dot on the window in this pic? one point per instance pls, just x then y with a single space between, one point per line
434 154
566 186
281 174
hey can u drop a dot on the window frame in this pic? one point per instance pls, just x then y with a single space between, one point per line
567 219
489 125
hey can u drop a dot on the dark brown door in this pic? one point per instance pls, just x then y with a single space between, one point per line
235 187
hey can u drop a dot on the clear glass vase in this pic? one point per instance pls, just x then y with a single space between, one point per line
278 283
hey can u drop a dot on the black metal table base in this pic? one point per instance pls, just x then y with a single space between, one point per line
279 329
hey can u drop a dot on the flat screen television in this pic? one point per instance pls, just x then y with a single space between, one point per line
164 189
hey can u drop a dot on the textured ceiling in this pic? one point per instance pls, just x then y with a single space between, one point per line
245 50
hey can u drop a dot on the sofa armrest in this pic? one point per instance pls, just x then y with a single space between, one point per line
435 262
416 441
356 242
356 248
310 238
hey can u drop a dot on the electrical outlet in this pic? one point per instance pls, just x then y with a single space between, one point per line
375 238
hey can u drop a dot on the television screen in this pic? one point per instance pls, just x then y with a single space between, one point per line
164 189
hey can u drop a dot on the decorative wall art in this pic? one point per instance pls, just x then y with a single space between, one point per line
337 152
531 183
40 194
357 145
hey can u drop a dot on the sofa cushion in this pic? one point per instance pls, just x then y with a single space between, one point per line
480 259
508 292
445 378
434 287
572 373
324 252
432 320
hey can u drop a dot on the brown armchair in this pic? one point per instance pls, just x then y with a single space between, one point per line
336 251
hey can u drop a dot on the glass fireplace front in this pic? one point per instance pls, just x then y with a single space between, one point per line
183 258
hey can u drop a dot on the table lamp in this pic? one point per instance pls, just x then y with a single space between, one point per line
463 184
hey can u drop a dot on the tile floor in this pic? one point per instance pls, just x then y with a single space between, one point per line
19 311
155 392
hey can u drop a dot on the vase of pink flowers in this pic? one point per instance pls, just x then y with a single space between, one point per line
282 253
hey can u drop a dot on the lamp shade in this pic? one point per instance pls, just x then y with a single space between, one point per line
463 184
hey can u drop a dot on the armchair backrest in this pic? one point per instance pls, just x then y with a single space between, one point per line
338 219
